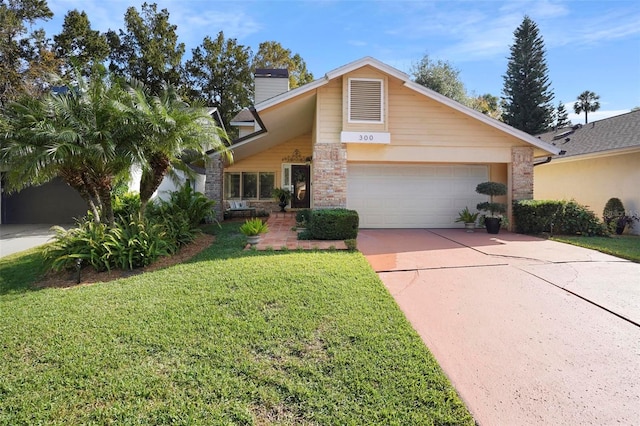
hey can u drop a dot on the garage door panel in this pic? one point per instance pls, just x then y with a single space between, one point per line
412 196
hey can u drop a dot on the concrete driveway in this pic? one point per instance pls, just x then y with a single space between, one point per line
17 238
529 331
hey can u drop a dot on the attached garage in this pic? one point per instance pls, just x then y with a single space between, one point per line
413 195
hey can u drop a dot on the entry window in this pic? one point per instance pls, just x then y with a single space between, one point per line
267 182
249 185
365 100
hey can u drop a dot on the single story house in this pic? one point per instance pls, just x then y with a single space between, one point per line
367 138
602 160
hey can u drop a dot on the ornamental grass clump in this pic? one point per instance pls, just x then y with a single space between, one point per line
253 227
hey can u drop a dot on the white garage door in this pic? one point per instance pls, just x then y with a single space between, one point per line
413 196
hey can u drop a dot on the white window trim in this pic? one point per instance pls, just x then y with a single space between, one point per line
381 121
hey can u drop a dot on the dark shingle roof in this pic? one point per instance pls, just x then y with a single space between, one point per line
619 132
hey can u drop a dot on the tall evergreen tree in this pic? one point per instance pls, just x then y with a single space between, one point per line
148 50
562 116
527 94
587 102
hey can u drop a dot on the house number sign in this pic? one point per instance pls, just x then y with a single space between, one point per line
365 137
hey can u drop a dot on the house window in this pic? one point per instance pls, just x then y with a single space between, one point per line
249 185
365 100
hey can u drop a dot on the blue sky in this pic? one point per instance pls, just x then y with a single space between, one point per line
591 45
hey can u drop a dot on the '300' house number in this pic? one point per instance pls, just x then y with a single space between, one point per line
365 137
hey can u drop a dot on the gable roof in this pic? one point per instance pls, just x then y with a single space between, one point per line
307 91
603 137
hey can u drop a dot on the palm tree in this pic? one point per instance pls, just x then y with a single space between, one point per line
166 131
587 102
77 136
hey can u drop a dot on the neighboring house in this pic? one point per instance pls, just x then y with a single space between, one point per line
54 202
366 137
602 160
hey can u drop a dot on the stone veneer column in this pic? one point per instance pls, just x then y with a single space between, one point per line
213 185
521 173
329 175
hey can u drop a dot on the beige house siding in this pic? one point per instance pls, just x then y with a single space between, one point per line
422 128
592 182
271 161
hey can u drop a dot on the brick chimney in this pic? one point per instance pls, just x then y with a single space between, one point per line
270 83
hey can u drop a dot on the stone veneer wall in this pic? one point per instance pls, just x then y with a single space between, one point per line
522 173
213 188
329 175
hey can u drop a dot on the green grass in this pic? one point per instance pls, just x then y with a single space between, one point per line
233 337
624 246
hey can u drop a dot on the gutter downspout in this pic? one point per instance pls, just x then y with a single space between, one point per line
548 159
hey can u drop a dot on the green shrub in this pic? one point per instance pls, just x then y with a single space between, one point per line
126 204
305 235
133 243
334 224
303 216
352 244
85 242
129 244
556 217
613 213
195 205
492 189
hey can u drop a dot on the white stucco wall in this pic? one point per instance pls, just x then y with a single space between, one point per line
167 185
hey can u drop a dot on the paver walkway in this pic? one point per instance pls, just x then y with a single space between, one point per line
282 235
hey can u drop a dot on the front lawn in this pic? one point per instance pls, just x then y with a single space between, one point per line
232 337
624 246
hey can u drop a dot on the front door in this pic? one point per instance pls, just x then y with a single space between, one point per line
301 184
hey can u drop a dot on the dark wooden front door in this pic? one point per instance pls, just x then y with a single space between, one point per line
301 182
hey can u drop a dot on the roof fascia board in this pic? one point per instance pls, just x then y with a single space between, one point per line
291 94
247 138
598 154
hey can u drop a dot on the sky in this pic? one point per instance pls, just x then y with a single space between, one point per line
590 45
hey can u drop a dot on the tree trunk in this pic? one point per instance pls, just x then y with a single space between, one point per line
76 181
151 179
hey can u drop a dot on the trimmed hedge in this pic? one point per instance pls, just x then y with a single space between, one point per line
556 217
334 224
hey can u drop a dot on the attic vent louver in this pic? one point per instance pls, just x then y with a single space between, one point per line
365 100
